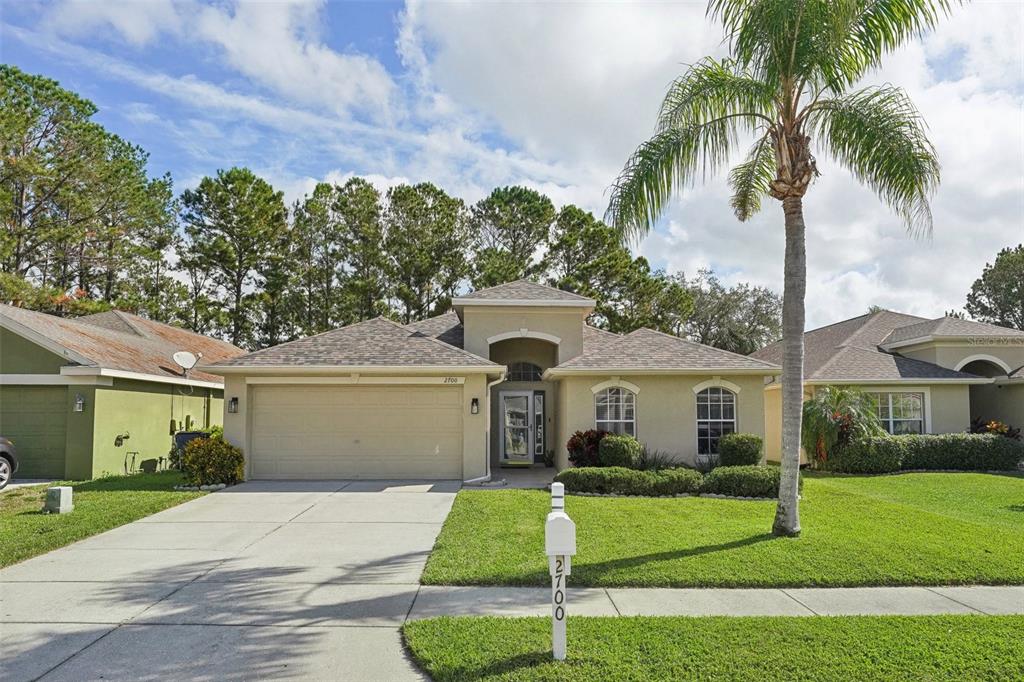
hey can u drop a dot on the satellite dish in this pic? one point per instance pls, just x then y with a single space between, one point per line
185 360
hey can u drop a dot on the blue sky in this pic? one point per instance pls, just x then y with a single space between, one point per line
551 95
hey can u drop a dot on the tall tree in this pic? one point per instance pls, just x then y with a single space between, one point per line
788 83
997 296
318 259
510 224
232 221
739 319
361 235
426 236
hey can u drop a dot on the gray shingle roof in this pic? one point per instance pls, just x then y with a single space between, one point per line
849 351
373 343
446 327
647 350
122 341
948 326
524 290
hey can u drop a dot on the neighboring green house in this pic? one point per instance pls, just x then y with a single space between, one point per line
100 394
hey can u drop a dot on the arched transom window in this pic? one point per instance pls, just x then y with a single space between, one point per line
716 416
616 411
523 371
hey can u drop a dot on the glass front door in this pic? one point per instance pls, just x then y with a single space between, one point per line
517 426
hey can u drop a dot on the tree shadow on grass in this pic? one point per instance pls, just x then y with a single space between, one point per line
593 571
586 573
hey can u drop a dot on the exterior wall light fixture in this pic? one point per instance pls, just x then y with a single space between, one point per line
233 405
79 403
474 406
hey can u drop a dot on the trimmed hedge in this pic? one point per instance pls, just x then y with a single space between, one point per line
743 481
212 460
624 481
619 451
738 449
957 451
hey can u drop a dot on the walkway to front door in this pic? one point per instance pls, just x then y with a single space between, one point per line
522 415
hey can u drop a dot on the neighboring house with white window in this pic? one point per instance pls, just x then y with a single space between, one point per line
928 376
503 380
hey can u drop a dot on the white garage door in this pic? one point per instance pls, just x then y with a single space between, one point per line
356 432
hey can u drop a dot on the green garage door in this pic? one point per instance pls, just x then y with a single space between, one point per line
35 418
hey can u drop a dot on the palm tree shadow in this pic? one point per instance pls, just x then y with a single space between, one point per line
595 570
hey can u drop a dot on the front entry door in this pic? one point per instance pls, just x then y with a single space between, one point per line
522 418
517 426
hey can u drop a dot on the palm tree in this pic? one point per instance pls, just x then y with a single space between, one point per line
788 82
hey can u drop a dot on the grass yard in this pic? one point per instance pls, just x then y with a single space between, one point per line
100 505
910 529
820 648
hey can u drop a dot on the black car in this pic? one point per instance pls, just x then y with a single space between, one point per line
8 462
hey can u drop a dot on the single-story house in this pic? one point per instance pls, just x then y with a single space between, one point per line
503 380
929 376
100 394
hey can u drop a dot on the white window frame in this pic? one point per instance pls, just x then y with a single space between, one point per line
726 387
925 420
625 391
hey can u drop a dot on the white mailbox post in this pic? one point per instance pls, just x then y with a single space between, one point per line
560 546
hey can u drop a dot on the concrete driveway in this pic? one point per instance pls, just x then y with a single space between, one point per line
265 579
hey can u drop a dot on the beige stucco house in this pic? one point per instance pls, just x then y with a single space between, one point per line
501 381
930 376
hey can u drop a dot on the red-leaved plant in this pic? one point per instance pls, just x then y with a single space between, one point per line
582 447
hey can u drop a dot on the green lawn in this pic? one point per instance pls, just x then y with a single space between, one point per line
100 505
819 648
927 529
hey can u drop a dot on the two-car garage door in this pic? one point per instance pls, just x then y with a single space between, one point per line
365 431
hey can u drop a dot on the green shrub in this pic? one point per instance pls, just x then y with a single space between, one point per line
653 460
743 481
962 451
212 460
874 455
625 481
675 481
957 451
619 451
738 449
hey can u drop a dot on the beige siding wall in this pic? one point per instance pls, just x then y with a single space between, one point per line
952 355
238 427
483 322
666 409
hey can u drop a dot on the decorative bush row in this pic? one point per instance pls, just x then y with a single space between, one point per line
738 449
596 448
947 451
212 460
624 481
743 481
737 481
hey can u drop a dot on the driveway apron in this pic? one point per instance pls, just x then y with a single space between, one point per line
304 579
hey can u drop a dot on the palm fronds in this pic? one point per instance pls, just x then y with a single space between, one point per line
879 135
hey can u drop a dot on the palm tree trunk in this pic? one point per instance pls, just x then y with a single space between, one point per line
787 515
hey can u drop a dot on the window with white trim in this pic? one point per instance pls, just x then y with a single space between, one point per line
615 410
900 412
716 416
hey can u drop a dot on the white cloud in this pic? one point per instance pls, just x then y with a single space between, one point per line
556 96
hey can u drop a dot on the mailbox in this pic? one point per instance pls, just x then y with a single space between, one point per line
559 546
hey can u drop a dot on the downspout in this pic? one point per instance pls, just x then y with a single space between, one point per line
487 449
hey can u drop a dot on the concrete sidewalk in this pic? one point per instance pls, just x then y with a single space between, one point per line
845 601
